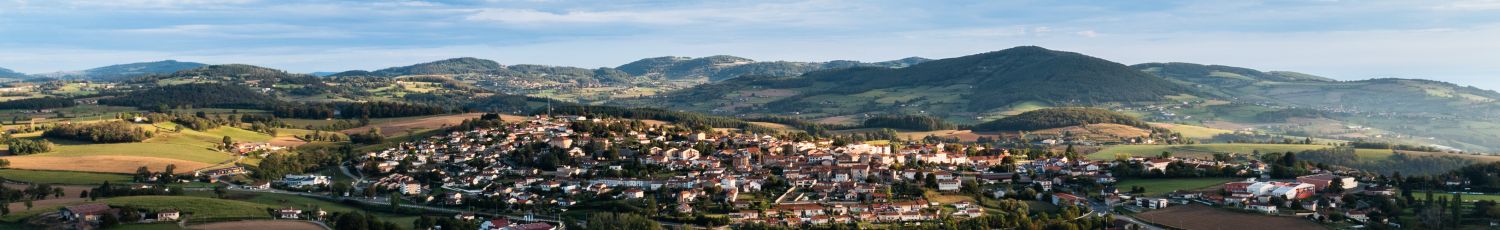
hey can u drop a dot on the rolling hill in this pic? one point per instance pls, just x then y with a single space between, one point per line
1384 109
960 89
722 67
7 73
126 71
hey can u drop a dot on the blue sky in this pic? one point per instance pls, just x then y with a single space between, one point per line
1443 40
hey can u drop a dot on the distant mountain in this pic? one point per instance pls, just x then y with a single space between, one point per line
322 74
961 87
7 73
1298 89
721 67
464 65
126 71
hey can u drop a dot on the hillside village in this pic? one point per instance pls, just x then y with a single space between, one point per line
763 179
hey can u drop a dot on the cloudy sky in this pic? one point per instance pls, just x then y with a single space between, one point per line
1455 41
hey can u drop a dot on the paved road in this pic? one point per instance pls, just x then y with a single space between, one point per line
1096 206
385 201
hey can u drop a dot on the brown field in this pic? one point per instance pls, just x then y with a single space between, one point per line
71 197
289 141
394 128
258 225
1196 216
962 135
776 126
1097 131
105 164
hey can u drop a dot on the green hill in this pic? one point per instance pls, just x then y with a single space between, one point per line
7 73
463 65
126 71
722 67
1060 117
955 88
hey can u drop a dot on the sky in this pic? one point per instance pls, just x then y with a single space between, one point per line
1456 41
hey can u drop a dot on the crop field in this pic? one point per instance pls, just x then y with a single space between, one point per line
1156 187
1190 131
188 150
396 128
202 208
62 177
1195 216
1204 151
258 225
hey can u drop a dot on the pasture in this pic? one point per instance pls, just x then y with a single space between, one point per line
1202 151
1156 187
62 177
1196 216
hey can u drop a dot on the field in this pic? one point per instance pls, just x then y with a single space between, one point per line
1189 131
61 177
934 196
1421 195
399 127
1379 154
1203 217
188 150
1203 151
286 200
1156 187
201 208
259 225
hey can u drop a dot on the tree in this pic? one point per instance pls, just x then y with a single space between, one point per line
395 203
107 221
228 143
1335 187
28 204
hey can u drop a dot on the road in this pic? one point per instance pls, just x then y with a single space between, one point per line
1096 206
384 201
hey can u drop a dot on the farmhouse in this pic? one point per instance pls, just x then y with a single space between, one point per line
1321 181
298 181
86 213
167 215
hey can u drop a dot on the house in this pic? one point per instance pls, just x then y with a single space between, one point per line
633 193
259 185
289 213
299 181
495 224
85 212
949 185
1321 181
167 215
532 226
1067 199
1261 207
1152 203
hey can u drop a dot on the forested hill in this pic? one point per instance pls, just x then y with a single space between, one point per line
1060 117
463 65
954 88
10 73
721 67
126 71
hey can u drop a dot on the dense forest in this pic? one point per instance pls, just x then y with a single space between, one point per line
908 122
1060 117
193 95
38 103
692 120
355 110
102 132
1398 162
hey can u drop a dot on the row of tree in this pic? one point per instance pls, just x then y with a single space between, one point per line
101 132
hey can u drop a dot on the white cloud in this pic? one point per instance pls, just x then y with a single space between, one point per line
1470 5
1088 33
242 31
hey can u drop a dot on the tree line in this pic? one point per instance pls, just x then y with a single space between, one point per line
101 132
908 122
355 110
38 103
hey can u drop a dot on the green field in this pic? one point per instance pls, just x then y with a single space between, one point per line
1191 131
1156 187
62 177
295 201
1422 195
201 208
1204 151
